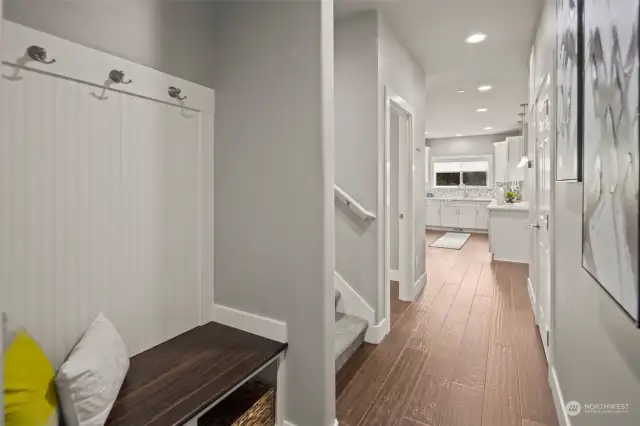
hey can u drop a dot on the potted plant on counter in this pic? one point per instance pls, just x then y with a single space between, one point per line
510 196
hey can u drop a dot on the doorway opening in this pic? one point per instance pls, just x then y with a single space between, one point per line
399 202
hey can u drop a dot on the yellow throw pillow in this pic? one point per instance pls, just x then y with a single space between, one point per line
29 381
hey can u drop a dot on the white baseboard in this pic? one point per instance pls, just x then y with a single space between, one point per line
251 323
419 285
352 303
558 398
532 298
286 423
376 333
409 294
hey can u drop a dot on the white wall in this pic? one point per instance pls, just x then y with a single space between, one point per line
401 73
274 235
466 145
356 81
170 36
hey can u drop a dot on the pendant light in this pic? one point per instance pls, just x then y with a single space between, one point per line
524 161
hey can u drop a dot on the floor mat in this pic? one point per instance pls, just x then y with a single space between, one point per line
451 240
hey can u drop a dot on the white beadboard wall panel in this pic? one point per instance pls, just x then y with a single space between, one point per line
102 209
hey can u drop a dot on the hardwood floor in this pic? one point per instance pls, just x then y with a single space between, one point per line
465 353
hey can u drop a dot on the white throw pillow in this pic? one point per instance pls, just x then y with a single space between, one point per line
89 380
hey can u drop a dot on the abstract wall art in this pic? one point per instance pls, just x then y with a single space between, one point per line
610 149
568 148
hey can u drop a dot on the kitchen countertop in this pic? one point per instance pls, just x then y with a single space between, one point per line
522 206
480 200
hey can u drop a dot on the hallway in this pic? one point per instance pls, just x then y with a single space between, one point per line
465 353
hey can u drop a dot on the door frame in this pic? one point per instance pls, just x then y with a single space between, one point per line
1 325
533 275
407 265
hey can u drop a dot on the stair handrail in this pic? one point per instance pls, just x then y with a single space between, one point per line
355 206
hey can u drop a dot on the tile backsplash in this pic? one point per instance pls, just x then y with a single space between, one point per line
482 193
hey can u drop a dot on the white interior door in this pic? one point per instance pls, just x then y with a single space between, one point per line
394 151
542 210
403 195
399 187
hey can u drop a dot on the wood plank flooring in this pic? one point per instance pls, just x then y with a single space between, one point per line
465 353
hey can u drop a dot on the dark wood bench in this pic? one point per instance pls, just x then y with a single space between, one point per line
179 380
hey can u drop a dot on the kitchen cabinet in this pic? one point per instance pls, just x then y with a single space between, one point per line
461 213
500 162
467 217
433 214
509 236
483 217
448 215
506 157
427 167
514 155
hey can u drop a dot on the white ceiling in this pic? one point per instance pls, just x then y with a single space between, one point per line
434 31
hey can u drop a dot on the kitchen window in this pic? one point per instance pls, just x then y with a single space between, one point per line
452 173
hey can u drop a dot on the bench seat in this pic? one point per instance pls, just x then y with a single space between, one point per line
174 382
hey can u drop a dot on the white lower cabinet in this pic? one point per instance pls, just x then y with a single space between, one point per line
467 217
483 217
457 214
448 216
433 214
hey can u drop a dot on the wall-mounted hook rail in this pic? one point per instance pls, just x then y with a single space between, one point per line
118 77
39 54
174 92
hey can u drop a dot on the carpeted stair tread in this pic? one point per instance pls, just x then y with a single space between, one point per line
349 336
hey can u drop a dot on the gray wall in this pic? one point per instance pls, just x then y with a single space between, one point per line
273 195
356 82
466 145
595 346
401 73
170 36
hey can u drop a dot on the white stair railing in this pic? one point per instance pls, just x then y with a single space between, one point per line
355 207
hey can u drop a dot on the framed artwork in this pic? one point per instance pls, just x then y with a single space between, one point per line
610 149
569 111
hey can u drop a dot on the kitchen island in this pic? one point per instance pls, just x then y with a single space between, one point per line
509 233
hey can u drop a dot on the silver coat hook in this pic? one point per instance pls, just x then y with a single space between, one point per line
174 92
118 77
39 54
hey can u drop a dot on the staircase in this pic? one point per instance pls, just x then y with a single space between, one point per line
350 331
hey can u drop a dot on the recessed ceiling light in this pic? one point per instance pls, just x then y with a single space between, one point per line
476 38
460 91
484 88
482 110
426 133
488 128
459 134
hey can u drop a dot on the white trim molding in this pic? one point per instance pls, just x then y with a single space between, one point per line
376 333
352 303
558 398
532 299
251 323
91 66
419 285
287 423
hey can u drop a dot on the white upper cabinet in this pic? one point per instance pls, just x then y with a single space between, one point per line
515 145
500 162
427 166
